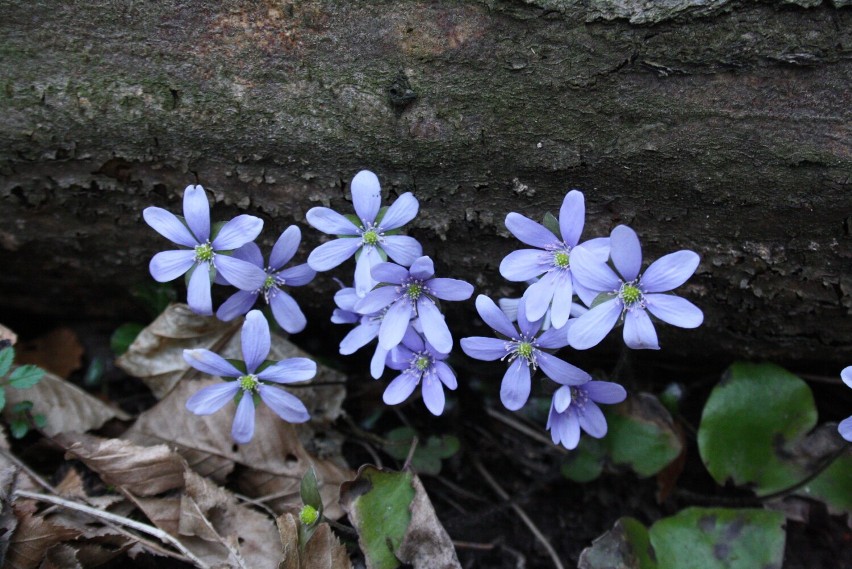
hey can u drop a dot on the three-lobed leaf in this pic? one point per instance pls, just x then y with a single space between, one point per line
7 356
25 376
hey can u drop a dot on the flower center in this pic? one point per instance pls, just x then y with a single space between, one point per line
370 237
560 259
248 382
422 363
269 282
525 350
204 253
579 397
629 294
414 290
308 515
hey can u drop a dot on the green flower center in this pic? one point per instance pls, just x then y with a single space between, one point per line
204 253
308 515
524 349
414 291
269 282
560 259
370 237
630 295
422 363
248 382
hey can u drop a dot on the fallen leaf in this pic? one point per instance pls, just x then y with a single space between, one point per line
33 536
59 351
6 334
322 551
60 556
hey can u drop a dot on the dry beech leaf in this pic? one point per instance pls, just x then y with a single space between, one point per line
59 352
323 550
66 407
6 334
61 556
32 538
8 519
71 487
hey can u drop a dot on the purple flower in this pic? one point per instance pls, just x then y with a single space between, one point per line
202 258
369 234
845 426
420 363
248 383
412 292
576 407
631 296
362 334
551 260
284 308
523 350
509 306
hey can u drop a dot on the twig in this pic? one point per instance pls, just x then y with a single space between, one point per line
410 456
521 514
472 545
254 502
100 514
520 427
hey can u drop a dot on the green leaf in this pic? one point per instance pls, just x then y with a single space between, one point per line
19 428
309 491
7 356
641 435
26 376
552 223
601 298
428 454
585 463
40 421
2 398
22 407
626 546
95 372
124 336
154 297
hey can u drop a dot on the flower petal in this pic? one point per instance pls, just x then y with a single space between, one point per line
366 195
394 324
238 304
346 298
291 370
669 271
509 306
494 317
400 388
285 405
329 221
330 254
422 268
561 371
449 289
528 231
209 362
592 420
298 275
605 392
626 252
242 429
255 340
562 398
196 211
538 295
599 247
339 316
359 337
528 327
569 429
169 265
240 274
285 247
554 338
845 428
639 332
377 362
572 217
169 226
377 299
402 248
433 394
400 212
515 388
846 376
250 253
237 232
369 258
674 310
212 398
591 273
446 375
390 273
287 312
485 349
590 328
525 264
563 294
434 326
198 290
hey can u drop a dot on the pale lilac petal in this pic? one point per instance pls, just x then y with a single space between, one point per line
198 291
255 340
587 295
554 338
599 247
433 394
377 362
509 306
339 316
359 337
846 376
572 217
399 358
669 272
283 404
298 275
240 274
394 324
242 429
529 232
287 312
538 295
563 295
605 392
390 273
591 273
250 253
237 232
329 255
412 341
434 326
674 310
196 211
209 362
212 398
377 299
403 210
515 388
449 289
562 398
525 264
291 370
329 221
569 429
400 388
169 265
422 268
561 371
366 195
369 258
446 375
346 298
402 248
845 428
626 252
494 317
285 247
169 226
528 327
592 420
589 329
639 332
482 348
238 304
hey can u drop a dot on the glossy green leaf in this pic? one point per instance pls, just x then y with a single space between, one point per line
7 356
124 336
25 376
641 435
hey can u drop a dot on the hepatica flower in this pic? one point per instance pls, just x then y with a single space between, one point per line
631 296
575 407
202 257
366 330
845 426
368 235
522 348
420 363
412 292
551 260
251 382
284 308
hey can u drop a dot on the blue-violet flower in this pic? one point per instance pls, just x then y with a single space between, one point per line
420 363
845 426
575 407
367 328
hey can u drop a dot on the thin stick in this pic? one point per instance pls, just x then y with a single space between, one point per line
472 545
517 425
100 514
254 502
521 513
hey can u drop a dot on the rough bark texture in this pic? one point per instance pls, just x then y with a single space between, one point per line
719 126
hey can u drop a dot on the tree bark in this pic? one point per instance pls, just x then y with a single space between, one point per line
719 126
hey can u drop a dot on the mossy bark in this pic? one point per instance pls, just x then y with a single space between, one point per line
722 127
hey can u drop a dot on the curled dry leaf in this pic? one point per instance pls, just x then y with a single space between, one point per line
34 535
6 334
322 551
59 352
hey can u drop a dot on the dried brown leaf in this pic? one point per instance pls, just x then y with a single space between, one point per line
59 352
60 556
323 550
6 334
426 544
32 538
